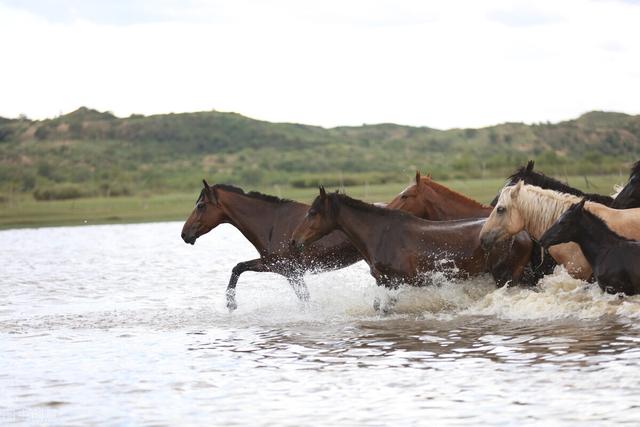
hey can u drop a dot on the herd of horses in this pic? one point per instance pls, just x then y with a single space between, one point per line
534 223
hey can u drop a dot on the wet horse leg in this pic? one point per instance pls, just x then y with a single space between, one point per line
299 287
260 265
257 265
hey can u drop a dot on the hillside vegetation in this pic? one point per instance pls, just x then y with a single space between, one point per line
91 153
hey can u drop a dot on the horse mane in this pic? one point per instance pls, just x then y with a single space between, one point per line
253 194
635 170
531 177
367 207
541 207
451 193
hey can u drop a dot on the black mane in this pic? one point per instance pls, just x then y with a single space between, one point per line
635 170
253 194
531 177
364 206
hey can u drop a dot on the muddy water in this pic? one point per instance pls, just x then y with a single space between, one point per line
126 324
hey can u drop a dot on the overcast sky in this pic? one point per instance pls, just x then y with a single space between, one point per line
441 64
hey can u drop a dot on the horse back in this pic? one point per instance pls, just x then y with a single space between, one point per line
625 222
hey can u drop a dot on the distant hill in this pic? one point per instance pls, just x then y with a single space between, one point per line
92 152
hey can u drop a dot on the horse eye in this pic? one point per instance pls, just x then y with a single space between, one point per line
200 206
501 209
312 213
404 197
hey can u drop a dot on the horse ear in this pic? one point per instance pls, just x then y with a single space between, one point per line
581 204
211 194
516 189
530 165
323 193
418 178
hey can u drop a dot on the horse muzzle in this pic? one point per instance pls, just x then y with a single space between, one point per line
487 240
296 245
188 239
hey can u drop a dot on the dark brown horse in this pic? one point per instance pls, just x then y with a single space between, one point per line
268 223
401 248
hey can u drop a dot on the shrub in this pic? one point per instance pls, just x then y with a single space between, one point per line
60 192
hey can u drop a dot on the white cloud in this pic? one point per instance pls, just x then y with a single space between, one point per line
439 64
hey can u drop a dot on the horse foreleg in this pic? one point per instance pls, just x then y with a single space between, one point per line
257 265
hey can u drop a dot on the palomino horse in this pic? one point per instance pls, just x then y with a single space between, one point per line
531 177
526 207
400 247
629 195
614 259
267 222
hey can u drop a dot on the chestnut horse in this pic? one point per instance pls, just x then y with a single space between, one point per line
429 200
399 247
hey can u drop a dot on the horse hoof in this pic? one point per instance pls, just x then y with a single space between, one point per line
304 297
231 299
232 305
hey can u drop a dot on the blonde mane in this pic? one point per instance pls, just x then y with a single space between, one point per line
539 207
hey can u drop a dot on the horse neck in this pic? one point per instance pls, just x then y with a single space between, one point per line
594 236
539 215
252 217
453 205
361 228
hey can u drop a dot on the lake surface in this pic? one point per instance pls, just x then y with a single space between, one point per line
126 324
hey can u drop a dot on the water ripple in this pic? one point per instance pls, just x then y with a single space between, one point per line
126 325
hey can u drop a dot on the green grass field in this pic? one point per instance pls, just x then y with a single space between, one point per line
24 211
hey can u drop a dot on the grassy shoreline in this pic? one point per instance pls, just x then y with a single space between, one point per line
24 212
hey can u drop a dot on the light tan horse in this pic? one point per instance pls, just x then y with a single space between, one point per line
526 207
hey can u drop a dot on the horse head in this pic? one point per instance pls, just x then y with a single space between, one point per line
319 221
505 220
418 199
206 215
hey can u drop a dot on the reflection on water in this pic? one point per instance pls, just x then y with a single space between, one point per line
124 324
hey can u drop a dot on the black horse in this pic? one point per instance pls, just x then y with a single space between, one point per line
629 196
531 177
614 259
